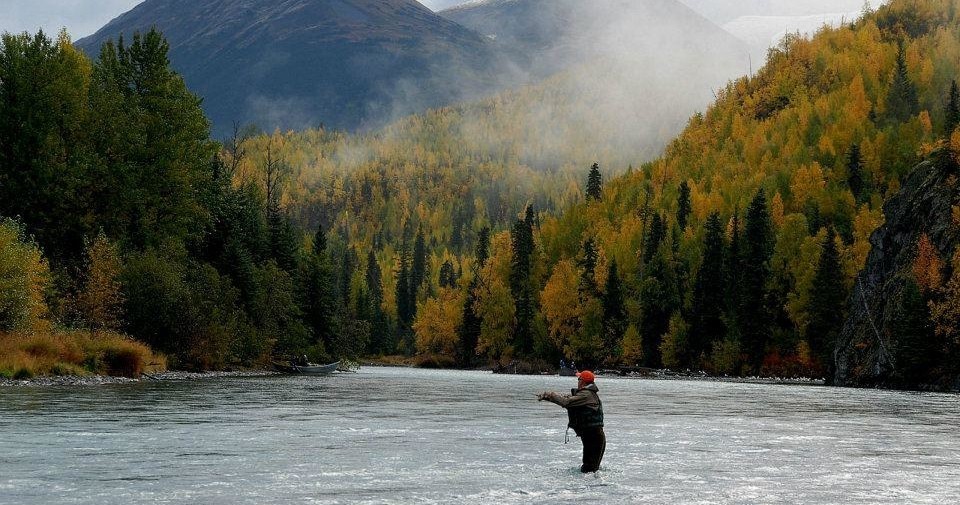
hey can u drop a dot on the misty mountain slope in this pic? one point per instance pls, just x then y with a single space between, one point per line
295 63
559 33
626 75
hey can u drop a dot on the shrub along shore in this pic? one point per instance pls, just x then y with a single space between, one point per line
75 353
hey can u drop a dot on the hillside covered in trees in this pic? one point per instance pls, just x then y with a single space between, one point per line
462 236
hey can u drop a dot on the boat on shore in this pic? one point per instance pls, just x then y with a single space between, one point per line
308 369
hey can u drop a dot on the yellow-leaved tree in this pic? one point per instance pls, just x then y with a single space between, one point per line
24 280
437 321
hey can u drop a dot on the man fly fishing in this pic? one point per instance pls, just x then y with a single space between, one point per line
585 413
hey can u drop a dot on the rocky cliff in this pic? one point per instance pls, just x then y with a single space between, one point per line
869 345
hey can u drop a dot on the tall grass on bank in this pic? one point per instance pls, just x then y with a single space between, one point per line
24 355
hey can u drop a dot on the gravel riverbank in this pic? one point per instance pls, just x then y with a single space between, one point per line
96 380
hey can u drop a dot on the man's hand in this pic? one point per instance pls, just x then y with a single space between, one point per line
542 396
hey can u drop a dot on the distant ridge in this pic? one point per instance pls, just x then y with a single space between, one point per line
297 63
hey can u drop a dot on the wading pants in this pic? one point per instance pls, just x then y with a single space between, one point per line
594 443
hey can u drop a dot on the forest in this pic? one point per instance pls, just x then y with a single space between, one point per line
463 236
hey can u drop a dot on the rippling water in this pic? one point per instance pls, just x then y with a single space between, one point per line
385 436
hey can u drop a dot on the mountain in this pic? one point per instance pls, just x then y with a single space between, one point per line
558 34
295 63
622 77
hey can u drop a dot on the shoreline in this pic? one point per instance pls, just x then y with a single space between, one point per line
658 375
97 380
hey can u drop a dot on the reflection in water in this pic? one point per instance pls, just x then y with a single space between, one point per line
389 435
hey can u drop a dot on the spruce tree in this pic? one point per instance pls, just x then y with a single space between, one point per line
614 311
855 178
684 206
733 278
655 236
918 350
827 302
404 310
520 285
659 299
755 315
709 294
952 111
469 330
588 269
594 183
448 277
902 98
380 341
418 270
321 291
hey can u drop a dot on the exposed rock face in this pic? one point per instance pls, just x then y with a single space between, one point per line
867 347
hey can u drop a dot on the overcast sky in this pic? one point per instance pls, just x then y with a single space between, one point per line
83 17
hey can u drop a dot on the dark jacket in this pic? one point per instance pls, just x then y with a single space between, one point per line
583 405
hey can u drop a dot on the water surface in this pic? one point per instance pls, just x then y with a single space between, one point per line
388 436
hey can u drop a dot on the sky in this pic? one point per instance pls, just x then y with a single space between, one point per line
83 17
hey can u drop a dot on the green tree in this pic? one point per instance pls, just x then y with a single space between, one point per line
918 351
614 311
902 98
448 276
952 111
588 270
43 150
418 269
320 293
755 315
472 323
684 207
709 295
594 183
827 300
655 237
154 146
521 266
855 180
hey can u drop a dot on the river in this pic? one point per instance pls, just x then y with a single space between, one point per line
391 436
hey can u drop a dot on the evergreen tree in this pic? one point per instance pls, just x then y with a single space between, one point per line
348 264
469 329
902 98
588 269
321 293
684 207
380 341
614 310
952 111
855 178
521 266
709 294
404 310
483 247
755 317
733 278
918 350
658 301
827 300
448 277
418 270
658 232
594 183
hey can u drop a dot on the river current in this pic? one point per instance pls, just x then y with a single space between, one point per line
398 436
